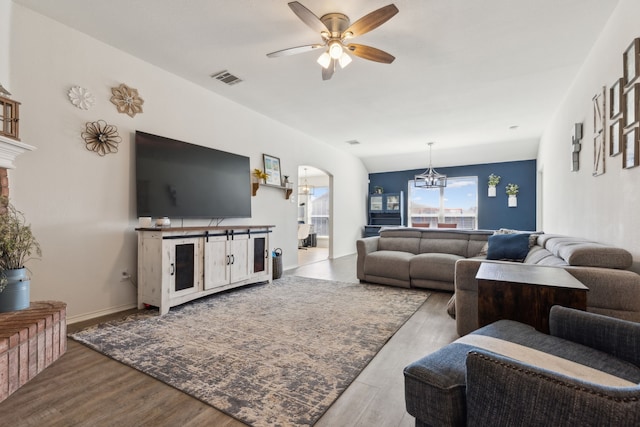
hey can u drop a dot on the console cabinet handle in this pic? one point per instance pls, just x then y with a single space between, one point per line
173 269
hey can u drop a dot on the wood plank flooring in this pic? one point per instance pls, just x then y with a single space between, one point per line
85 388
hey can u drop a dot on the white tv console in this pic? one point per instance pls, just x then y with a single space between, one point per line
176 265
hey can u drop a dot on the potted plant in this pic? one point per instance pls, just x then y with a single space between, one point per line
17 244
512 191
493 181
260 175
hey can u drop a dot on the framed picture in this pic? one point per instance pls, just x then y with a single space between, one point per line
630 157
632 113
598 154
616 104
631 62
272 169
615 138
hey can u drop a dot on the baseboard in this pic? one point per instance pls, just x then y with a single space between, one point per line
92 315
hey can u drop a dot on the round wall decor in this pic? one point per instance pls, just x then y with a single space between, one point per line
81 98
126 100
101 137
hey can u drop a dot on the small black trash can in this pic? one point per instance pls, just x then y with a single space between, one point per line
277 263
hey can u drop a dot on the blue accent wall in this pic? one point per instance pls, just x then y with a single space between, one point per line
493 212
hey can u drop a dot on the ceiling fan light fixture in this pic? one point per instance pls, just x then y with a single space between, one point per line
324 60
344 60
335 49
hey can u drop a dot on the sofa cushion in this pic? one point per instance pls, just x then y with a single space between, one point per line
388 264
533 235
435 385
444 242
512 247
401 244
541 256
595 255
477 243
434 266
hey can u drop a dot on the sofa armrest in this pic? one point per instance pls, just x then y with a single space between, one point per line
614 293
364 247
504 392
617 337
466 294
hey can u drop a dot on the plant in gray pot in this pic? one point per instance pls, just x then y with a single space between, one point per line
17 244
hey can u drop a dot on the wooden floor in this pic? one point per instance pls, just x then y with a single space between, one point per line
85 388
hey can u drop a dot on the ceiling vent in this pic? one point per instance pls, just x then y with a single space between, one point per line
353 142
226 77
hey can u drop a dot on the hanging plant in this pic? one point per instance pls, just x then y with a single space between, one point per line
512 189
126 100
101 137
494 180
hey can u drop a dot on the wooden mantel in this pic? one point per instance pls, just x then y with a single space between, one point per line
10 149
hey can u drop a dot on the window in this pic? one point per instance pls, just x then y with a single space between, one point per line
457 203
315 211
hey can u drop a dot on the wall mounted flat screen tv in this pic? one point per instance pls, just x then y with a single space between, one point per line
181 180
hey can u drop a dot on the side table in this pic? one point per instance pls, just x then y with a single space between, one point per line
525 293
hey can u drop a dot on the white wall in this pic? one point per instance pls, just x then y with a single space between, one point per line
602 208
5 28
82 206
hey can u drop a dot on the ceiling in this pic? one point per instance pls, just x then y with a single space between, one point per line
480 78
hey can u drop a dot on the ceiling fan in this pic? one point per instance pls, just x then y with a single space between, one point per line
335 29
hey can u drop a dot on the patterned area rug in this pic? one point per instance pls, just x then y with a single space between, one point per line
271 354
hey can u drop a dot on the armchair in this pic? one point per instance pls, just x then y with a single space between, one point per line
466 384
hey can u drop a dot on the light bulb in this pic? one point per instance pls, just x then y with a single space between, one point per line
324 60
335 49
344 60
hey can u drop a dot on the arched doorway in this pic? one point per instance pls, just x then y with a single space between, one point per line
314 208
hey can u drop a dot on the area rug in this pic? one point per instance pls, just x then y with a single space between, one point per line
272 354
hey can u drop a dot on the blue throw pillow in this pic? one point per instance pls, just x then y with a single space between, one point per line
512 247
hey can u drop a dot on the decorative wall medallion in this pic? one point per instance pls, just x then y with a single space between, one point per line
81 97
101 137
126 100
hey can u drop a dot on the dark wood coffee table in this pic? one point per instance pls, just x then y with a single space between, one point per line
525 293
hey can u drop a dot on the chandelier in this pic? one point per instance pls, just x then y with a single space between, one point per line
305 188
430 178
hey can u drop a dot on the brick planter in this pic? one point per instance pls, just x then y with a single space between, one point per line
30 340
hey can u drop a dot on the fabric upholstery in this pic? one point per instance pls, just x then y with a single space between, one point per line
503 392
433 266
388 263
450 387
449 243
438 270
402 244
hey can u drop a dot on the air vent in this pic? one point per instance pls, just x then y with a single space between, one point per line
226 77
353 142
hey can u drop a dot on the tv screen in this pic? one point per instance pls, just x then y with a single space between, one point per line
181 180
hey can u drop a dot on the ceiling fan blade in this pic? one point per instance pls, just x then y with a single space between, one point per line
370 53
294 50
371 20
328 72
308 17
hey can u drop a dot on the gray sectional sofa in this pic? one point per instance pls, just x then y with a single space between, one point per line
450 259
418 258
